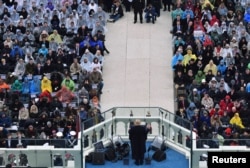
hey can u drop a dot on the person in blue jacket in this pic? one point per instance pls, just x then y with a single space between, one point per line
25 88
248 88
5 121
222 67
85 41
17 50
191 110
247 16
35 86
44 51
176 58
94 42
186 12
150 13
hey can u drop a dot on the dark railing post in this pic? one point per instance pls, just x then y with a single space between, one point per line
81 141
113 113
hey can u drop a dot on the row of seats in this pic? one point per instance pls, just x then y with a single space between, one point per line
211 70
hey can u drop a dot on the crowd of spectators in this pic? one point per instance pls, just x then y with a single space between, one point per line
211 69
52 56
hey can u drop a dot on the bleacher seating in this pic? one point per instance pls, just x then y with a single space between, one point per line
209 48
62 43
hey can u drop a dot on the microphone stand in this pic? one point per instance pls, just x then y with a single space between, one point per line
162 126
163 146
112 125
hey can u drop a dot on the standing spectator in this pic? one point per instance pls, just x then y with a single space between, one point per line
167 5
107 5
138 6
127 4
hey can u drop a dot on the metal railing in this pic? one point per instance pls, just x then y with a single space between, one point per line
117 122
174 130
43 155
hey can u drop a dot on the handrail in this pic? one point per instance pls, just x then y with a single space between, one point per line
116 122
162 121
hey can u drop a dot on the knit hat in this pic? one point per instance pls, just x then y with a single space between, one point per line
217 106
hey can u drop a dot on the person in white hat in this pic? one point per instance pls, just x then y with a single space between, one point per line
194 97
59 135
72 141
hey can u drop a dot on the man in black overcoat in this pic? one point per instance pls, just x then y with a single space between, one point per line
138 6
138 137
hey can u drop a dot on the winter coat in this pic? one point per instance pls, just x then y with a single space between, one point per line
26 86
65 95
236 120
190 110
46 85
5 121
199 76
23 114
70 84
16 86
138 4
35 86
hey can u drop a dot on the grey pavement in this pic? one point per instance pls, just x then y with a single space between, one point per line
137 71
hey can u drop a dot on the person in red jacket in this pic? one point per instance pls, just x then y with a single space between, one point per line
216 110
226 104
214 20
4 87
